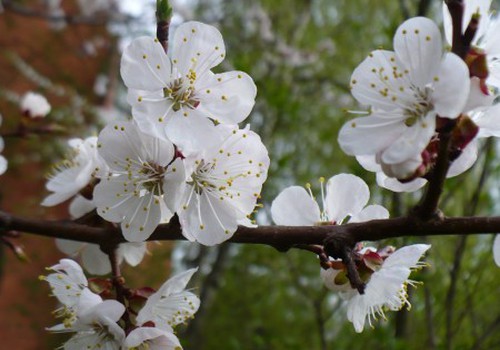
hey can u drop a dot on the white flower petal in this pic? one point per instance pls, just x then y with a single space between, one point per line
192 133
228 97
452 88
374 81
95 261
208 220
407 256
68 247
404 169
144 65
362 136
496 250
477 98
465 161
154 338
142 218
113 197
197 45
80 206
370 212
108 309
174 183
120 141
418 47
328 277
295 207
488 121
368 162
397 186
346 194
133 253
494 73
412 142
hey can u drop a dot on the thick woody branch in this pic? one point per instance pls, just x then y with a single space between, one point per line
281 237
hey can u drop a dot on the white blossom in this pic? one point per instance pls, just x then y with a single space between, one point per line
177 97
386 287
34 105
75 173
70 286
96 327
345 200
67 282
171 304
144 183
406 90
223 186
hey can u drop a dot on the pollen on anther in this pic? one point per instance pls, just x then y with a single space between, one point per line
185 39
141 228
202 227
353 124
417 31
139 99
185 114
157 66
144 56
160 119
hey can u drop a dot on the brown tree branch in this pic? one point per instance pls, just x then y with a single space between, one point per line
280 237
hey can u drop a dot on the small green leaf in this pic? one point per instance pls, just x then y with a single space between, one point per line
163 10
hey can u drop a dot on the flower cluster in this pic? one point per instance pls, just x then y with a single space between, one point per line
419 90
384 272
182 153
98 323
